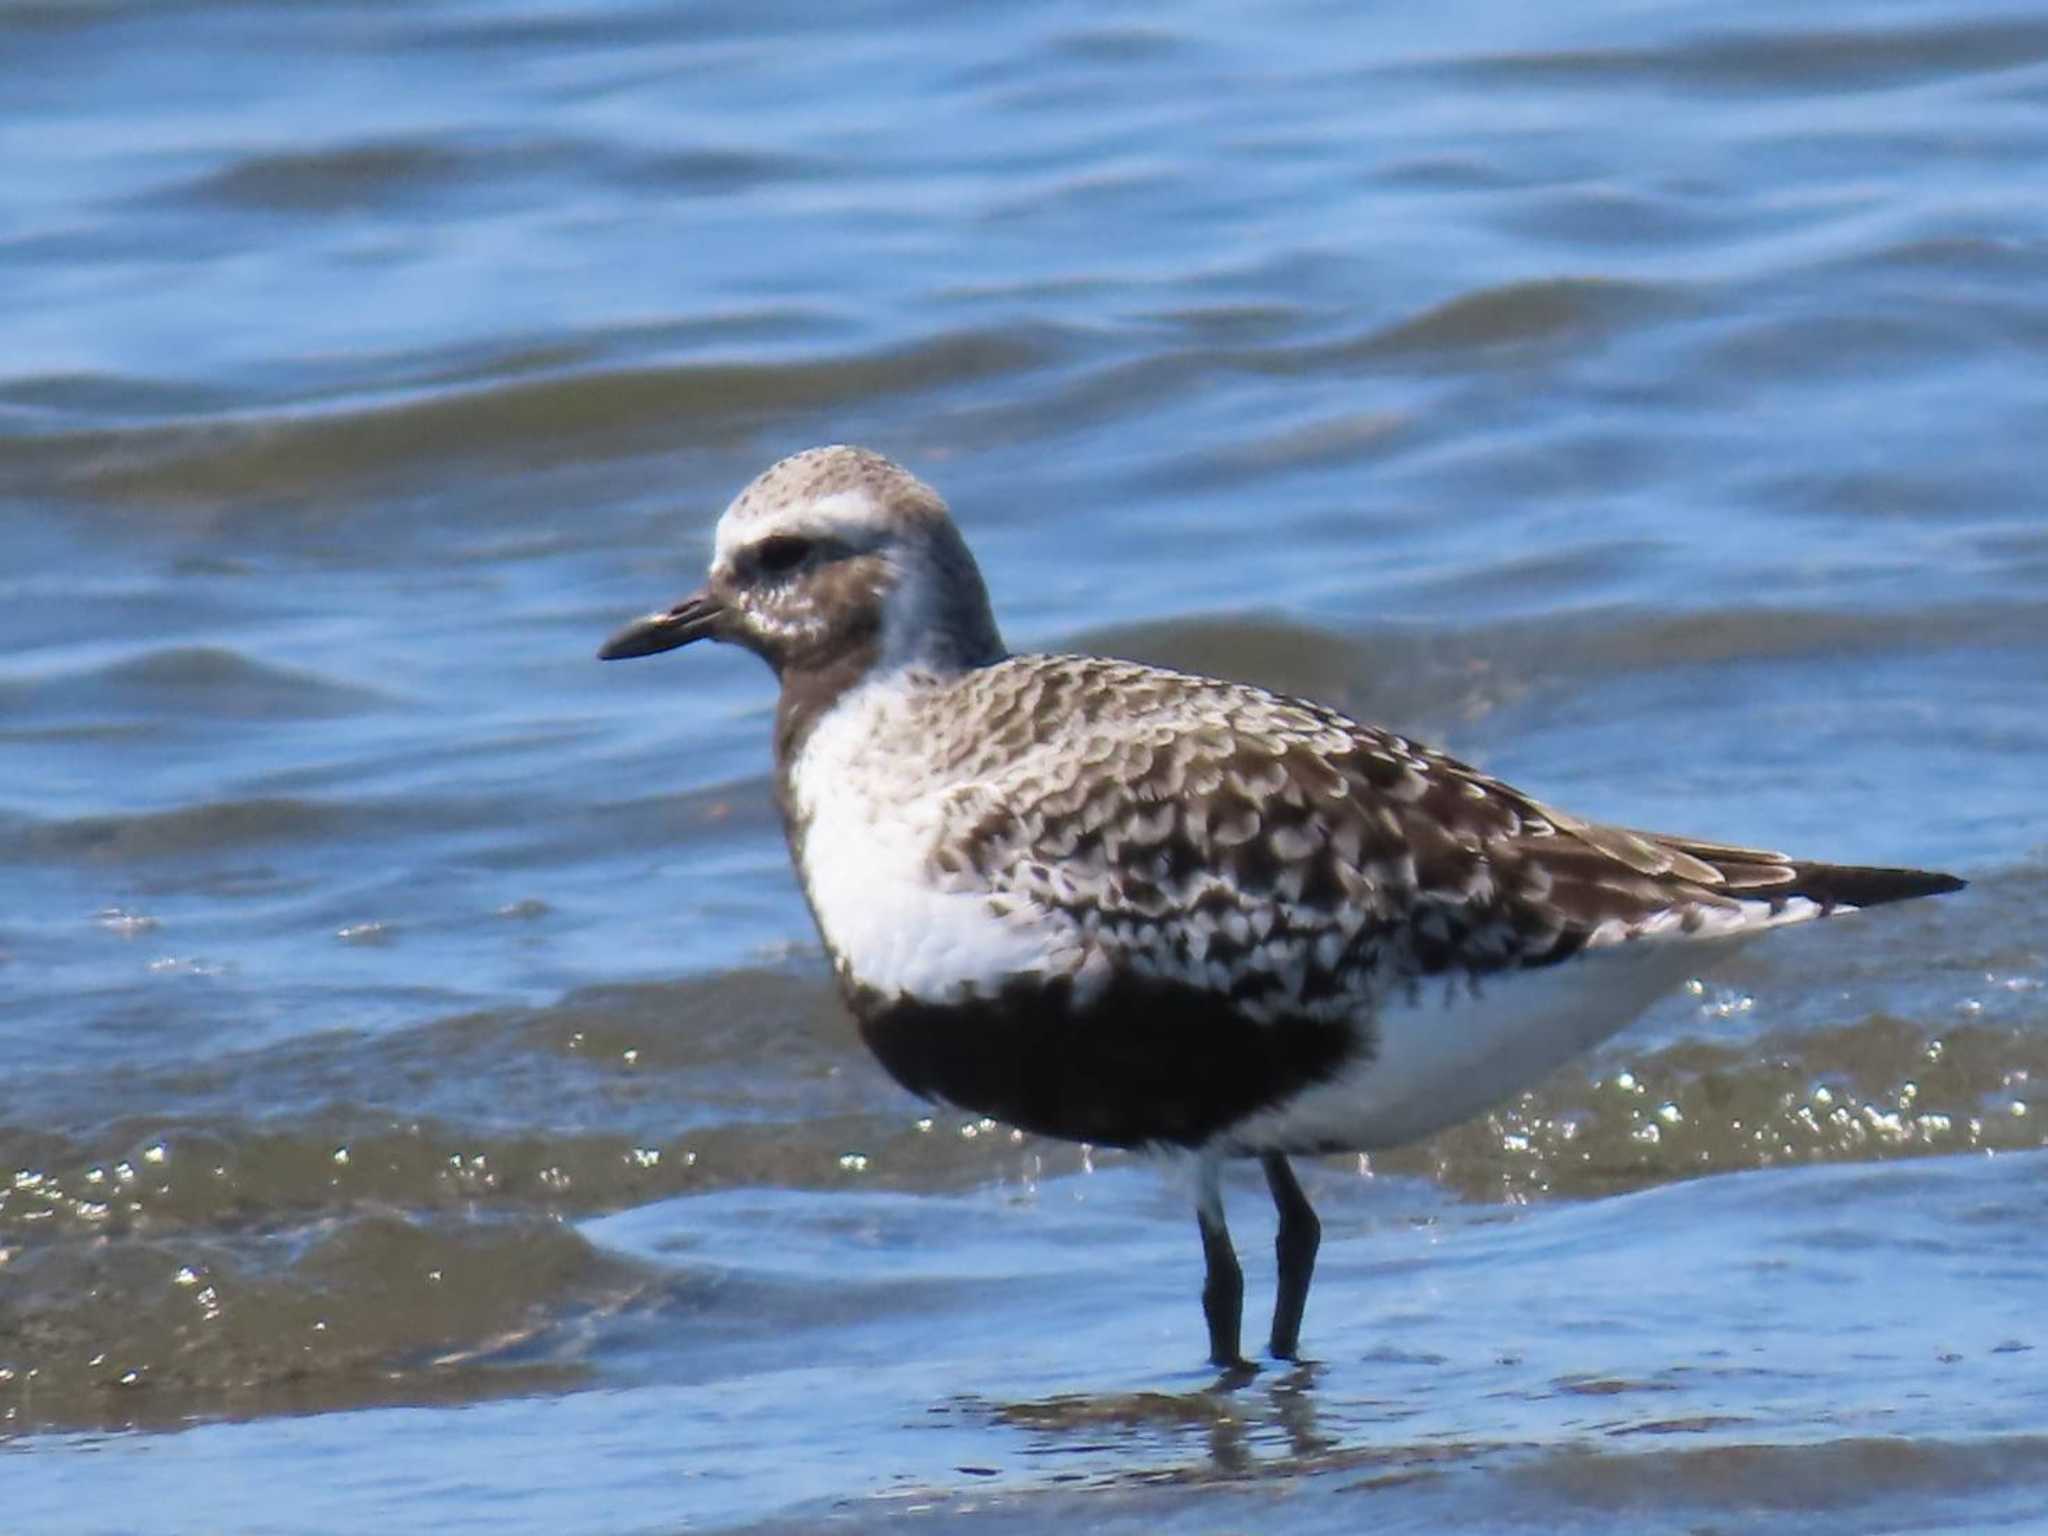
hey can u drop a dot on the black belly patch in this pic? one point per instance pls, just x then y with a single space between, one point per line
1144 1062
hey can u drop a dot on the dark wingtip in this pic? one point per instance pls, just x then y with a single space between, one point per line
1849 885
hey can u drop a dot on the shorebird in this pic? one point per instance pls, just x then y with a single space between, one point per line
1133 907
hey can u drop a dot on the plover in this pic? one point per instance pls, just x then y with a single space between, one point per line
1132 907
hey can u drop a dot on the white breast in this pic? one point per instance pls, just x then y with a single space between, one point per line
873 810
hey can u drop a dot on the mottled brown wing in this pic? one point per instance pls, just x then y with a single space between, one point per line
1229 838
1243 841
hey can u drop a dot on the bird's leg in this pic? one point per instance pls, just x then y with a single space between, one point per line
1295 1247
1222 1280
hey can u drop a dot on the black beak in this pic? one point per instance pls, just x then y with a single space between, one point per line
698 616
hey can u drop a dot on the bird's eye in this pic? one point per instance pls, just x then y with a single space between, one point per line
780 555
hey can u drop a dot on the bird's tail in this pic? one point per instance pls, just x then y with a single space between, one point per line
1856 885
1756 872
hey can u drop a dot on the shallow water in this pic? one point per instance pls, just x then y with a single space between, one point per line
420 1095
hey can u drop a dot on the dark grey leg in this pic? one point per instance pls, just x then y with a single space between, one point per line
1295 1247
1223 1280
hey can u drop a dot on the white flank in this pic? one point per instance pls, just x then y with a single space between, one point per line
873 819
1455 1049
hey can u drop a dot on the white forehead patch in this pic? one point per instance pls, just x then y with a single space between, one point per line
853 514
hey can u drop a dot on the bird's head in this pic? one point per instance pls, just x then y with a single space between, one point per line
833 557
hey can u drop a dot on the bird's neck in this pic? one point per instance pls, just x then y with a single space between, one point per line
812 693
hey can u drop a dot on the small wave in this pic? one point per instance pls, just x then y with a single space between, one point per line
240 824
188 829
1839 58
211 681
341 178
705 170
548 418
1887 1473
1608 641
1877 1089
1522 314
1390 675
372 1308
